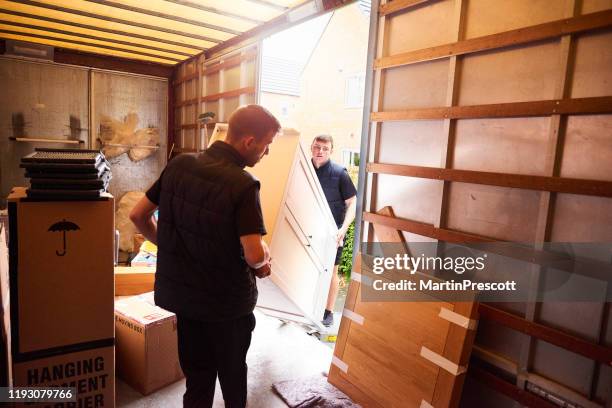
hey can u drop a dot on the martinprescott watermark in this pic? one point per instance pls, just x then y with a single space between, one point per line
489 272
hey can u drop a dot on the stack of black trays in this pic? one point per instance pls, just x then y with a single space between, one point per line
66 174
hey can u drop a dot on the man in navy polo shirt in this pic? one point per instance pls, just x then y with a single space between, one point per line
341 198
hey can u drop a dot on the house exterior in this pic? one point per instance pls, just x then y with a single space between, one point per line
330 98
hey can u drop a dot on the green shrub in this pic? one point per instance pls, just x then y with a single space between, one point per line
346 259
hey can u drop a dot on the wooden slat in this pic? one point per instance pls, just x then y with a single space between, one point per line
524 35
541 183
191 101
450 125
229 94
524 397
170 118
601 104
231 62
189 126
398 5
186 77
426 230
559 338
552 164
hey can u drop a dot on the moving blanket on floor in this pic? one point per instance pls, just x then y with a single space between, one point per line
312 392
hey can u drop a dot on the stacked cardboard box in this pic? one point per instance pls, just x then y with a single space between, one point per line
147 351
61 295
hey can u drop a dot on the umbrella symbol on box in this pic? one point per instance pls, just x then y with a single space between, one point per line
63 226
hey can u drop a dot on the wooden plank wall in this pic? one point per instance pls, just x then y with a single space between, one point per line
491 121
219 85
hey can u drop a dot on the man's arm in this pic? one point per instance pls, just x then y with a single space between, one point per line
351 204
142 217
256 254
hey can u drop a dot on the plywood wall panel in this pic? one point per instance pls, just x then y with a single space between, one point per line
177 117
505 145
211 84
587 151
190 89
477 395
580 318
189 112
250 69
582 219
178 94
231 78
249 99
483 19
603 391
412 198
229 106
516 74
504 213
189 67
592 6
562 366
416 86
412 30
500 340
593 65
212 106
417 143
189 139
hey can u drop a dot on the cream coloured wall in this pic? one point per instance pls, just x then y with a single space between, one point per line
284 107
341 53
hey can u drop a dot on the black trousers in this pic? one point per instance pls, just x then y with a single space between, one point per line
208 349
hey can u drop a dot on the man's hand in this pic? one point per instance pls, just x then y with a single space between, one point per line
340 237
263 272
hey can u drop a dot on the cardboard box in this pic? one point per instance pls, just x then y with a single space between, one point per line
61 285
91 372
131 281
147 350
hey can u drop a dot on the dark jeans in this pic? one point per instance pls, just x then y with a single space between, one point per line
208 349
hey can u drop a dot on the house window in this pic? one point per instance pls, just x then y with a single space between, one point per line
354 91
350 158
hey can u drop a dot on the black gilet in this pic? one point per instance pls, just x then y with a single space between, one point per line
201 271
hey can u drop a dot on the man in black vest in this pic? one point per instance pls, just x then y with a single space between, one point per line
340 194
210 248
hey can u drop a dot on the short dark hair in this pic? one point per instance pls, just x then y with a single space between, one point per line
251 120
324 139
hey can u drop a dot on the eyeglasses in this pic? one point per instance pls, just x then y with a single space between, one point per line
316 148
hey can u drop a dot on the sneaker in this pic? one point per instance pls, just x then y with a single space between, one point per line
328 319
